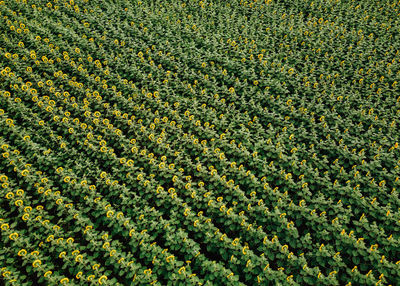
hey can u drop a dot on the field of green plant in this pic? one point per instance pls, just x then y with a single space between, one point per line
200 142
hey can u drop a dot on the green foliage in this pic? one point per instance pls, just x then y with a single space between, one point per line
199 143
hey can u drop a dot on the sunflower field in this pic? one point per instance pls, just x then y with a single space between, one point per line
199 142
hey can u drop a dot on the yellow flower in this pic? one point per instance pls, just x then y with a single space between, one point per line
47 273
25 217
9 195
36 263
22 252
19 203
24 173
50 238
90 277
13 236
64 280
102 279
